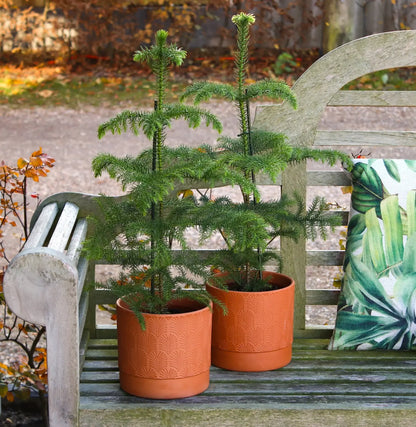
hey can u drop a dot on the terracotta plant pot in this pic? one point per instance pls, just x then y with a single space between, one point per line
171 358
257 332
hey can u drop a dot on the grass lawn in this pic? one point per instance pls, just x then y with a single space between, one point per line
53 86
50 87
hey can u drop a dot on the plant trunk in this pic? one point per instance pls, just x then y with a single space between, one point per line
253 180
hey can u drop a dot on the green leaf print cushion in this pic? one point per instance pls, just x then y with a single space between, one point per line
377 304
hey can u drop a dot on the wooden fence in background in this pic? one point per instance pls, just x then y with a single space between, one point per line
108 25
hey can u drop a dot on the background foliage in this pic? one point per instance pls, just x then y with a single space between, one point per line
29 372
108 31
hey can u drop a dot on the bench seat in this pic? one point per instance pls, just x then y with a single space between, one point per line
334 384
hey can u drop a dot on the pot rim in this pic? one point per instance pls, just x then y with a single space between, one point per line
272 273
124 306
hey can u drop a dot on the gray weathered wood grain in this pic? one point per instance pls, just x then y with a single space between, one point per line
40 231
341 138
63 229
78 237
373 98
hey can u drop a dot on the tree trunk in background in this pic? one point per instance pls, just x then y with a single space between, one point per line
343 22
374 16
307 19
396 6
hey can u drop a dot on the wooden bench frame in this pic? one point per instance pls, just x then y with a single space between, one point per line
45 284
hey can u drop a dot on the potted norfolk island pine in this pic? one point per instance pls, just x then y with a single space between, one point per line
257 332
164 313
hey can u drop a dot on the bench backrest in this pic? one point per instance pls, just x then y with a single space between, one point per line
320 86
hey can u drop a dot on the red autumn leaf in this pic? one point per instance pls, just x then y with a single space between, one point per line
18 190
22 328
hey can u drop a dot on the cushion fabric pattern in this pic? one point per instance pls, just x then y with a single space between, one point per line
377 304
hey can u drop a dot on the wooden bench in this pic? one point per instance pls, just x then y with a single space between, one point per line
45 282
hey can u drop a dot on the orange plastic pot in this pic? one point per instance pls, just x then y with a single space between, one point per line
171 358
257 332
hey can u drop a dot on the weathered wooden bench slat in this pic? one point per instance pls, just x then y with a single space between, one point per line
360 138
63 229
373 98
320 257
322 296
102 343
313 297
285 408
106 332
327 178
100 365
354 365
78 237
311 374
324 258
106 349
82 274
102 354
279 389
83 346
269 411
43 225
83 311
314 332
295 386
319 178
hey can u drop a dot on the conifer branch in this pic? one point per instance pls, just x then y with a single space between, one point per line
325 156
272 89
204 91
193 115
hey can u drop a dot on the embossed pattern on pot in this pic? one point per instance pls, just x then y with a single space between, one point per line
257 328
173 347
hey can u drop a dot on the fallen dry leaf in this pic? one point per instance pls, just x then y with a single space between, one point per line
46 93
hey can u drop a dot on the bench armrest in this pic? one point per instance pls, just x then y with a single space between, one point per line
43 285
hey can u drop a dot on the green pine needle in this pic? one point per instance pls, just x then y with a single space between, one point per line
272 89
204 91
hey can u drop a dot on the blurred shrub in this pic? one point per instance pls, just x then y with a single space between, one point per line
19 376
108 31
